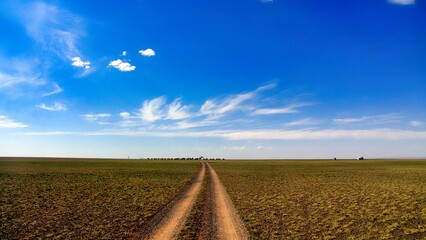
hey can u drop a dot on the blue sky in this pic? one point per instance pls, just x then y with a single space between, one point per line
234 79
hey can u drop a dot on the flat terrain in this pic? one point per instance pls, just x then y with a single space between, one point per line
87 199
140 199
171 224
373 199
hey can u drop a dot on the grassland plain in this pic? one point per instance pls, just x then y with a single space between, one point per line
374 199
85 199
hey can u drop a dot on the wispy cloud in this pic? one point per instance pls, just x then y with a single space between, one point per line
147 52
125 115
303 122
185 124
177 111
57 106
293 108
124 53
325 134
96 117
14 71
151 110
121 65
53 28
402 2
55 32
266 1
235 148
261 147
176 115
56 90
377 119
416 123
6 122
266 134
216 108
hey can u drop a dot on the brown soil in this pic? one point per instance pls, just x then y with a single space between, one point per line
208 209
227 221
169 226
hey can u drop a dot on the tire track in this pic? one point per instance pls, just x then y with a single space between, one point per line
228 223
169 227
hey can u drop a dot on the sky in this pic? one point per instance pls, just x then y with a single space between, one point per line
232 79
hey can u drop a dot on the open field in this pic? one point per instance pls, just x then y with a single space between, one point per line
139 199
374 199
88 199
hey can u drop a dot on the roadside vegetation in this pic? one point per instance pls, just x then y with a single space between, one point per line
379 199
85 199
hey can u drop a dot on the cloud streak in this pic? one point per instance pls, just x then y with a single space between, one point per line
55 107
415 123
6 122
14 71
293 108
56 90
266 134
402 2
377 119
96 117
216 108
55 29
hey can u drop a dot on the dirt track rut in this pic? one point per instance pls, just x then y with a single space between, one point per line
170 226
226 223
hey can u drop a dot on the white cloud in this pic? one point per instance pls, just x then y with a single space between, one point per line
325 134
6 122
56 90
96 117
55 107
9 80
415 123
235 148
54 29
267 134
285 110
147 52
350 120
125 115
377 119
124 53
151 110
260 147
216 108
194 124
402 2
14 71
177 111
77 62
121 65
302 122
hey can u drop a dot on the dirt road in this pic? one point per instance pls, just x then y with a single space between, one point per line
228 223
224 224
171 224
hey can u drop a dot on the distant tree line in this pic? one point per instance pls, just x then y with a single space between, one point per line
184 158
